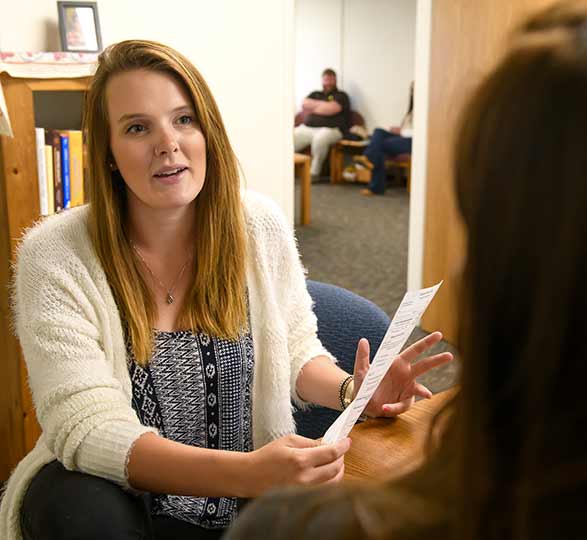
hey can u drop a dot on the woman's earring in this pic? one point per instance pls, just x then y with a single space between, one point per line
113 166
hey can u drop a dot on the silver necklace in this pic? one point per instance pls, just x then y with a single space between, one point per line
169 298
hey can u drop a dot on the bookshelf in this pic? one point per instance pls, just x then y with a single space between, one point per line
19 209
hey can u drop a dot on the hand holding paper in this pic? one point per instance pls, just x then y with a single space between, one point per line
388 387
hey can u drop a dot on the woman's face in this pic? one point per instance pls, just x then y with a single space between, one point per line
157 145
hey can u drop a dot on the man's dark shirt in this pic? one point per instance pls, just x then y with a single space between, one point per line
340 120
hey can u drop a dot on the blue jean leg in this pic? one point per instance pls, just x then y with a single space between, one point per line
383 144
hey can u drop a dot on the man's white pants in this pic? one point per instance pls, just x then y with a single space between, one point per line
320 138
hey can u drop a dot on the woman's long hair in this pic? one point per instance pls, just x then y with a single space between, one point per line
409 116
520 176
216 301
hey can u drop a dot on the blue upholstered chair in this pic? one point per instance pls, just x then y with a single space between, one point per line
343 318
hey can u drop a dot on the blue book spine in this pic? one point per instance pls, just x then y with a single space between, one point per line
65 170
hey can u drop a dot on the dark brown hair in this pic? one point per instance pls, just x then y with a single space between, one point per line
520 166
329 71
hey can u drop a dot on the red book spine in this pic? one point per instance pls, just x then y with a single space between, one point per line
53 138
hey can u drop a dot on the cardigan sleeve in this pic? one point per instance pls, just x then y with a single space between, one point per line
87 420
289 282
303 342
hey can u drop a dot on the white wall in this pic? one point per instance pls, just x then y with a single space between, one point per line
248 62
243 49
420 147
370 43
318 44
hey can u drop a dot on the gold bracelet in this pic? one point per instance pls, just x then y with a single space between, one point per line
349 393
345 393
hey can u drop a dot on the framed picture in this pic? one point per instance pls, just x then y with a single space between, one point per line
79 26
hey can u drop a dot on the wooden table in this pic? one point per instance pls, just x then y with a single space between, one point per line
383 448
302 167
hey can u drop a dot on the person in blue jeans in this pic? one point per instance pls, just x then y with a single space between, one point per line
386 143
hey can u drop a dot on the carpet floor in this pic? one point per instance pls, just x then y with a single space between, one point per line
361 244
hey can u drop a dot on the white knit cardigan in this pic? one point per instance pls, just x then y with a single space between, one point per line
72 338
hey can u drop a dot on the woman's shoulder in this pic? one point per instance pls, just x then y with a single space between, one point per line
331 512
263 214
57 236
258 204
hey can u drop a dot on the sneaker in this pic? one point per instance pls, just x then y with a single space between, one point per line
349 173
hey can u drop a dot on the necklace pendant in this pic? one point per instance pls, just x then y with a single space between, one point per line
169 299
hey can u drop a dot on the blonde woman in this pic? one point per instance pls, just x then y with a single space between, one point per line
166 328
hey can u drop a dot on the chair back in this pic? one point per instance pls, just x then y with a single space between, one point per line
343 319
299 118
357 119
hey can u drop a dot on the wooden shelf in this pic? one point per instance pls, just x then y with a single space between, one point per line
19 209
61 85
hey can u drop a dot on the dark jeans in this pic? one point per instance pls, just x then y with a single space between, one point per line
382 144
66 505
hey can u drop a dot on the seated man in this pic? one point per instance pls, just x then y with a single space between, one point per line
327 117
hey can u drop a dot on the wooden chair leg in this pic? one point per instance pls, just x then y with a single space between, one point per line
302 169
306 193
336 162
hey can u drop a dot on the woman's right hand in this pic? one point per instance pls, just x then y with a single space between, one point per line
295 460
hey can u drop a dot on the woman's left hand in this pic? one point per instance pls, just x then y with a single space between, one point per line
398 388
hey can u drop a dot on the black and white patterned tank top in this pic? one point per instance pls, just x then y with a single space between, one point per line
196 390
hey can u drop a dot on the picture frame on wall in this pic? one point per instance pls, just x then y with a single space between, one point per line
79 27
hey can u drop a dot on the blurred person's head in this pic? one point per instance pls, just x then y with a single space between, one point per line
520 166
328 80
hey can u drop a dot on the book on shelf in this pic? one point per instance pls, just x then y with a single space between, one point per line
65 185
76 167
60 160
49 177
53 138
42 171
